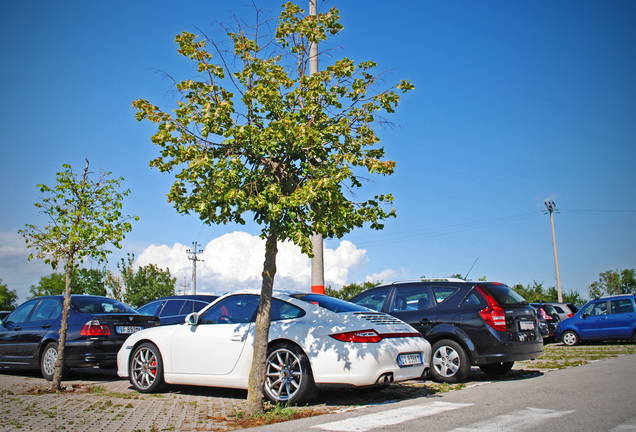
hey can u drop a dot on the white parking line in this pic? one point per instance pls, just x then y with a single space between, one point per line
390 417
521 420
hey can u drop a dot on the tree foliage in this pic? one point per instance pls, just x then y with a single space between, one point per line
8 298
614 282
536 293
83 281
83 217
142 286
254 136
350 290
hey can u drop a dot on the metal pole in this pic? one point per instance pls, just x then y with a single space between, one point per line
317 262
551 208
193 257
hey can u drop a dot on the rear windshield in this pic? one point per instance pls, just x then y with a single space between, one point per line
330 303
100 305
504 295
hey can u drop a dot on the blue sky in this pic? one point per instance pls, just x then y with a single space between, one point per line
515 103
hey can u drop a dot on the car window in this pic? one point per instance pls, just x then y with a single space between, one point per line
233 309
21 313
474 299
596 309
622 306
372 299
442 293
172 308
151 309
100 305
504 295
411 298
45 310
330 303
282 310
559 309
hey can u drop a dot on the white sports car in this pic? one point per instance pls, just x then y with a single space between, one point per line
315 341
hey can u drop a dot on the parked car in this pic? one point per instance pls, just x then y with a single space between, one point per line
174 309
601 319
550 315
97 328
565 310
315 341
485 324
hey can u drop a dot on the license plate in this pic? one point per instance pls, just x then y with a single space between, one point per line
526 325
128 329
410 359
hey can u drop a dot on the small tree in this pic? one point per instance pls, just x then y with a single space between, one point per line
8 298
83 281
84 216
267 140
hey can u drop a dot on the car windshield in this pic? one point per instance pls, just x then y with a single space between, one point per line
330 303
505 295
100 305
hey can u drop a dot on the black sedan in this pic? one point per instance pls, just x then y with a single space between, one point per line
97 328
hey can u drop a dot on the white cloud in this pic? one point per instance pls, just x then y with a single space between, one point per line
16 271
235 261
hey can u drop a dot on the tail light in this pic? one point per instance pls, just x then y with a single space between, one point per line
570 315
361 336
494 315
94 328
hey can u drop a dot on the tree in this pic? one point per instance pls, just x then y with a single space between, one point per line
8 298
83 281
348 291
269 142
613 282
142 286
84 216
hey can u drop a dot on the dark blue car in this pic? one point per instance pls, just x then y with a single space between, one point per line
602 319
174 309
97 328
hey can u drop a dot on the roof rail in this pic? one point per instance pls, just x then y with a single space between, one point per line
439 279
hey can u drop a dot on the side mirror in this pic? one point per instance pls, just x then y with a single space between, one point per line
583 315
192 319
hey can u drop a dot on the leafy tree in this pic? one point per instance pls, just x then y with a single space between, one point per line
142 286
83 217
348 291
613 282
83 281
533 293
8 298
266 140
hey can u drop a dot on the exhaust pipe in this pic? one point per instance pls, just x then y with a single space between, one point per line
385 379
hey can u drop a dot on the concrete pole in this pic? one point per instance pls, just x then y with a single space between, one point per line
551 207
317 262
193 256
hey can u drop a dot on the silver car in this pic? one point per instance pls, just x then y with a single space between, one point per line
565 310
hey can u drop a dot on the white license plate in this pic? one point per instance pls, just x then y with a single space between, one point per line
128 329
526 325
410 359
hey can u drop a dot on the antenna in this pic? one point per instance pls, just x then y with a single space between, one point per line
471 267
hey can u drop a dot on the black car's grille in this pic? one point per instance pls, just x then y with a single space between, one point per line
379 318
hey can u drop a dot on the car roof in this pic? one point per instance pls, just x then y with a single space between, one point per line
188 297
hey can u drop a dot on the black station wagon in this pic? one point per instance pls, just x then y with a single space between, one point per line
484 324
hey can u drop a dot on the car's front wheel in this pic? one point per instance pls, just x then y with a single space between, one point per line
48 359
288 376
146 368
450 362
495 369
570 338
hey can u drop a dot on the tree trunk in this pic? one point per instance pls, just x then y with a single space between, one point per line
261 328
57 376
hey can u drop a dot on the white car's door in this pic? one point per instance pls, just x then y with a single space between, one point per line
214 346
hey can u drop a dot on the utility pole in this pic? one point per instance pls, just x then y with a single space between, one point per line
317 262
192 255
551 209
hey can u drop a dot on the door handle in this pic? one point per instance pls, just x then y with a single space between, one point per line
237 337
424 321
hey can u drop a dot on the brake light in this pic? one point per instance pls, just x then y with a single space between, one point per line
94 328
361 336
494 315
570 315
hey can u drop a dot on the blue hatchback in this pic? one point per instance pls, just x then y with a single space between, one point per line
601 319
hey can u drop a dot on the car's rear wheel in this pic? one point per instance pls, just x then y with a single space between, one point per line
570 338
288 376
146 368
450 362
48 359
496 368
